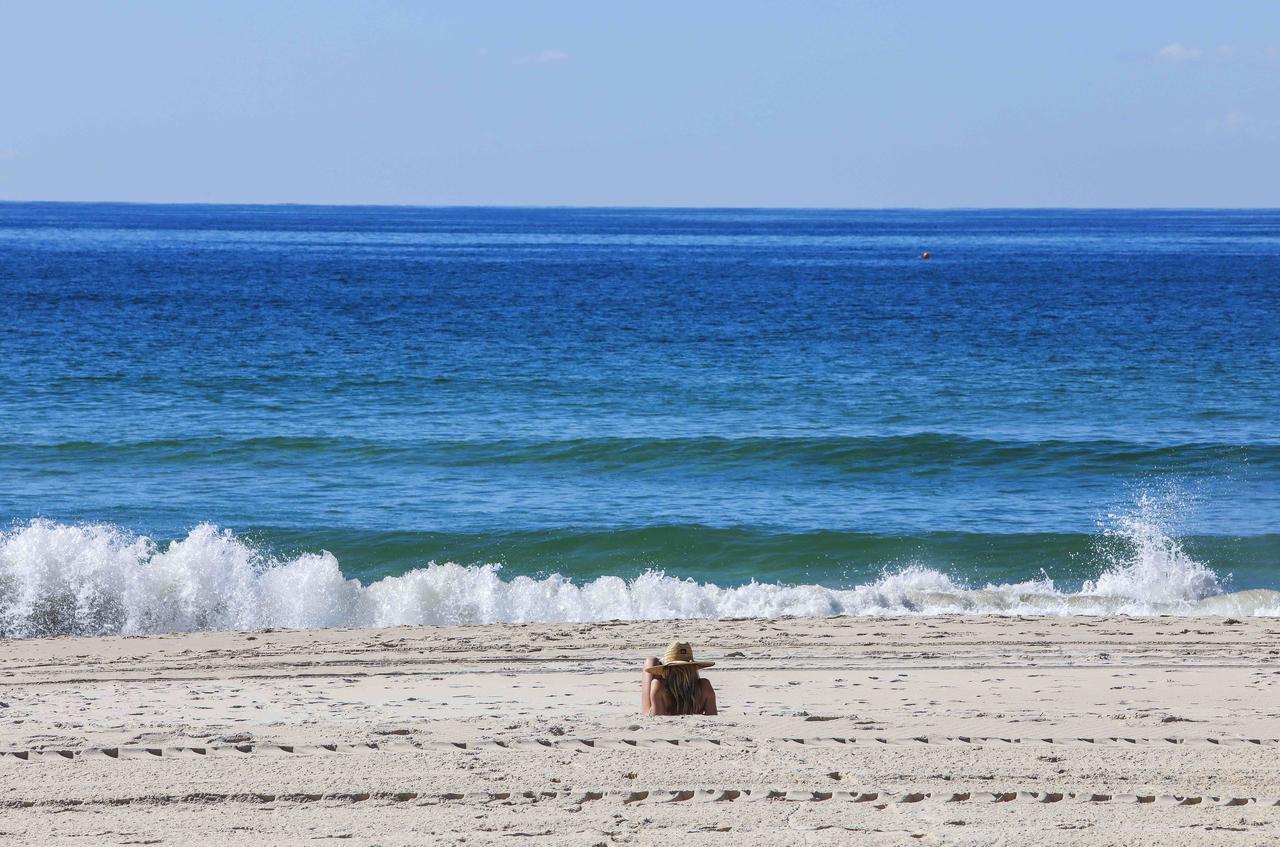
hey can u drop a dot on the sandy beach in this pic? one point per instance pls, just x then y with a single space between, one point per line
874 731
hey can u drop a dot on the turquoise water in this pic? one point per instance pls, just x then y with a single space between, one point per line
218 416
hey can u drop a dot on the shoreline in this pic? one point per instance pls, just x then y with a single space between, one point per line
430 734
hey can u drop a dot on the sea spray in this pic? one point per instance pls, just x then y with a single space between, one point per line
1147 561
96 579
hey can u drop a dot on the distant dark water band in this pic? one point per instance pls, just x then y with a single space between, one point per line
922 452
734 555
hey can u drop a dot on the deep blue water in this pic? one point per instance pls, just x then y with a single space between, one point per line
727 395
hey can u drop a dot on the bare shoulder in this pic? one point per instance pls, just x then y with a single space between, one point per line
707 696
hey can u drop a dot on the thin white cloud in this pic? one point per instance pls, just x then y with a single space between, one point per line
1223 54
1247 126
1179 52
1234 121
546 57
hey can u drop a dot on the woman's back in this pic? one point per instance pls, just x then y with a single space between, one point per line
672 685
683 693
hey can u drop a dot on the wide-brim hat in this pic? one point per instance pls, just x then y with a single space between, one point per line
679 655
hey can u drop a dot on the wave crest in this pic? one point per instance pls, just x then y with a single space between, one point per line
1150 562
95 579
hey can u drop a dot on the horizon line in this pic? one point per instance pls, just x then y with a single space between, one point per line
625 207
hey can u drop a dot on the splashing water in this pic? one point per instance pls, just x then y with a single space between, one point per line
95 579
1150 563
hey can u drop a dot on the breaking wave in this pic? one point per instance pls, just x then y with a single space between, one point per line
96 579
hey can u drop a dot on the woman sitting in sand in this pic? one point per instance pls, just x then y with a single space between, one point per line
671 686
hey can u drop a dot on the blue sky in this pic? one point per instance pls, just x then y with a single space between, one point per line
854 104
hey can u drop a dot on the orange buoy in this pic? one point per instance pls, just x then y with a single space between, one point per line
924 255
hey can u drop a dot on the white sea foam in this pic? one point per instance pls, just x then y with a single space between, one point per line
1148 562
95 579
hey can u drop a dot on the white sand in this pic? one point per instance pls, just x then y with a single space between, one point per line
848 730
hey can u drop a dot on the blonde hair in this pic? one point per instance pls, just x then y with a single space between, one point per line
681 683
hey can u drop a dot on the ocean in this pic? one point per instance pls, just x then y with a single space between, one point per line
222 417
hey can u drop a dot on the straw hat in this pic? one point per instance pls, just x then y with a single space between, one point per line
679 654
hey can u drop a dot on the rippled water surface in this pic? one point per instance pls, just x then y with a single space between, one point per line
1066 410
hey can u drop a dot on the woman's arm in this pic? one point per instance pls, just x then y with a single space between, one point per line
708 699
